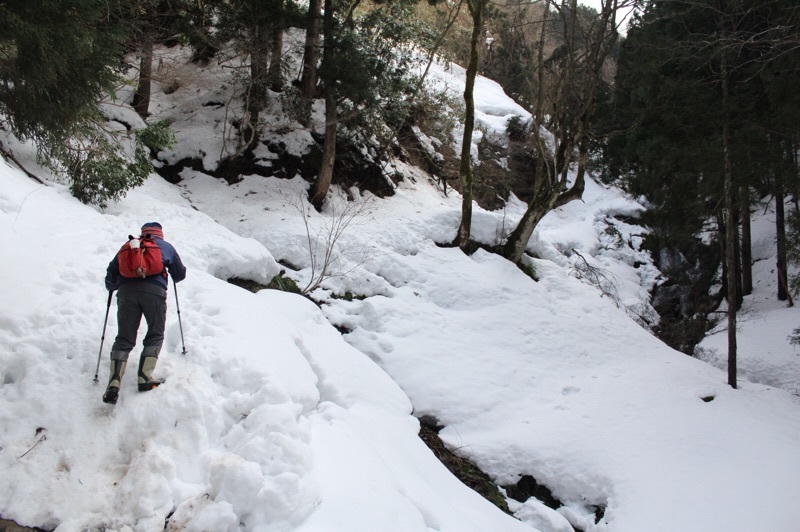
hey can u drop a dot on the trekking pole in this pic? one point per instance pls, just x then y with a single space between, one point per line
103 338
178 307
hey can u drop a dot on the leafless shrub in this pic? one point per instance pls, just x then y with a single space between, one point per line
330 253
603 280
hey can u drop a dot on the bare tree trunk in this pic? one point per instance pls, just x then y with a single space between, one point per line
550 188
323 183
737 253
141 99
275 72
257 91
780 230
320 189
476 8
747 253
784 293
517 241
308 81
792 157
730 221
255 97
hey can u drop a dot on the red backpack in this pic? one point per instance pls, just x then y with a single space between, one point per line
140 257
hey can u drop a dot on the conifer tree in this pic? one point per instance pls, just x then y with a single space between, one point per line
694 87
364 73
57 59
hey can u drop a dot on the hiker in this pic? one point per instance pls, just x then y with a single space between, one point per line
141 291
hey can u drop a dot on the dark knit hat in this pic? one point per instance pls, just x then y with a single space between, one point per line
153 229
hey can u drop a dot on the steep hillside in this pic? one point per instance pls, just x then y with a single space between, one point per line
277 420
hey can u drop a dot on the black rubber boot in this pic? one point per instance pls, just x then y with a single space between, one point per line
111 395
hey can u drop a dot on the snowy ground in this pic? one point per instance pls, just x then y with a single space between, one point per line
275 421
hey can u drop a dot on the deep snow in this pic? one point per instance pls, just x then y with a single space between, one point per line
276 421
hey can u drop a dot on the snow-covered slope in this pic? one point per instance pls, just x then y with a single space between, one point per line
549 378
270 422
275 421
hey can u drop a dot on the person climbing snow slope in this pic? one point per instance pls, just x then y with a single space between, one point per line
139 275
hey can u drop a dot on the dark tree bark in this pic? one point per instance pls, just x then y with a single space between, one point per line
737 254
730 221
476 9
275 72
141 99
323 183
320 189
257 91
308 81
572 103
780 230
746 251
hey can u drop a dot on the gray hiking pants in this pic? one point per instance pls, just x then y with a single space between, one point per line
134 300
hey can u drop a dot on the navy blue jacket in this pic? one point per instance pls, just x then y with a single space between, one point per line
170 258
